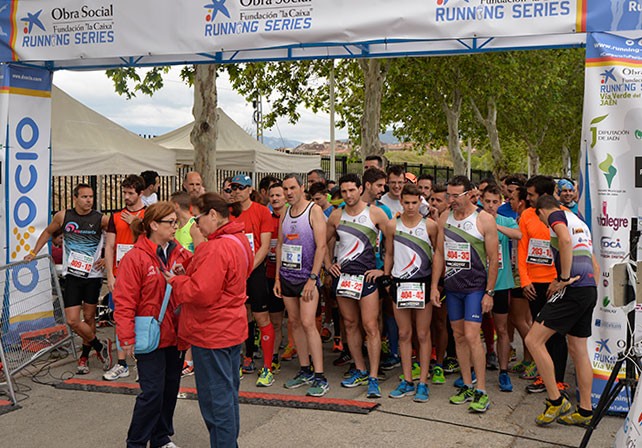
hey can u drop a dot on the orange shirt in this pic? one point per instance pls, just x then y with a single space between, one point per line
533 229
124 236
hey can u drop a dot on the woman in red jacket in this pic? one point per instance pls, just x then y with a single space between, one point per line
213 318
139 291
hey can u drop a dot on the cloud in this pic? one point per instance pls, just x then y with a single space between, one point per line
171 107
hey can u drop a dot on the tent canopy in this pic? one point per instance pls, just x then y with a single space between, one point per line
236 150
87 143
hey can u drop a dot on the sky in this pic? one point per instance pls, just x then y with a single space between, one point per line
171 107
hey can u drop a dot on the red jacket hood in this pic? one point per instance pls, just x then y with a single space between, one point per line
227 229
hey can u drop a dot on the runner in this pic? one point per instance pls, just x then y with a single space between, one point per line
568 311
193 184
396 180
82 268
119 240
355 229
152 183
319 194
467 246
424 182
315 176
373 161
566 192
414 239
299 256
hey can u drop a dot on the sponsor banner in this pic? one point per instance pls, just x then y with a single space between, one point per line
613 15
630 434
612 137
25 100
88 29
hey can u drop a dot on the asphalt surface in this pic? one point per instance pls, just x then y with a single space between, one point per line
51 417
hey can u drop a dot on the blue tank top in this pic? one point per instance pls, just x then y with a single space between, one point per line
356 242
297 251
464 255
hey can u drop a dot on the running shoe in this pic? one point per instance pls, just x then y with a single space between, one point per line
463 395
343 359
170 445
513 354
530 371
348 373
374 391
248 365
438 376
358 378
385 346
575 419
326 335
518 368
276 365
302 378
505 384
404 389
266 379
337 345
416 372
83 366
451 365
536 386
104 355
459 382
289 353
492 363
258 353
319 388
421 396
118 371
188 369
480 403
241 373
551 413
390 362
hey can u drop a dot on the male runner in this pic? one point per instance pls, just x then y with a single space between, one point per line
315 176
82 267
396 181
319 194
299 256
193 184
152 183
355 229
373 161
467 246
568 311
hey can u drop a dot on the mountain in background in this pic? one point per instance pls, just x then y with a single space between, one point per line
388 139
278 142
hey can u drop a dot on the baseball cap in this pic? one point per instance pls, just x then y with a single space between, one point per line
242 179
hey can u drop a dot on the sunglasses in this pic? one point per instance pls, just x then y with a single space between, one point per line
455 196
235 187
227 190
198 217
171 222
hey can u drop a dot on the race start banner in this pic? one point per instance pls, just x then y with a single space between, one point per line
25 122
609 184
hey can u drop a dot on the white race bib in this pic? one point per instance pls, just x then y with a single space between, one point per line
411 296
291 256
539 252
500 257
121 250
457 255
271 256
79 264
350 286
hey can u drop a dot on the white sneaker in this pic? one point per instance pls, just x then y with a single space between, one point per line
116 372
169 445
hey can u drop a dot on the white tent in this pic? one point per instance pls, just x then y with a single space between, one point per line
86 143
236 150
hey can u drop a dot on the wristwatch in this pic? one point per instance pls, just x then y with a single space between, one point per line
490 292
313 276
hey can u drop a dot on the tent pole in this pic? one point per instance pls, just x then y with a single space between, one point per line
332 138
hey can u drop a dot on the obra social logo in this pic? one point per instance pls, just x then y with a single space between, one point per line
607 75
24 210
214 8
32 20
608 169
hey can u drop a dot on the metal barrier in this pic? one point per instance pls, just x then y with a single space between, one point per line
32 316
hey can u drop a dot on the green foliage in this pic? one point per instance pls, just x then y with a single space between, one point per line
128 81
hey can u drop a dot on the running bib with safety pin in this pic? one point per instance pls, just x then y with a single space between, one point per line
350 286
539 252
121 250
457 255
291 256
79 264
250 239
411 296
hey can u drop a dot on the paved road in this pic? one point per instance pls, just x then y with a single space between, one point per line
54 418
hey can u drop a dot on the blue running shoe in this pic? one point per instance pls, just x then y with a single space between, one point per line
404 389
459 382
421 396
358 378
374 391
504 382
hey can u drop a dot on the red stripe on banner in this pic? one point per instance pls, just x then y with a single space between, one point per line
581 16
607 60
101 383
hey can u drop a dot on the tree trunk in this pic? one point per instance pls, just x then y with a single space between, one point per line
533 160
566 160
205 130
374 75
490 124
453 113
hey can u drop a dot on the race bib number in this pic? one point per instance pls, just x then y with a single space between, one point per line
250 238
457 255
539 252
121 250
350 286
271 256
411 296
79 264
291 256
500 257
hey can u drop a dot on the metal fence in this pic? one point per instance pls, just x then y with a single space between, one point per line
32 317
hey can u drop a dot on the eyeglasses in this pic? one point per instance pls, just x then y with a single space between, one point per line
198 217
227 190
171 222
235 187
457 195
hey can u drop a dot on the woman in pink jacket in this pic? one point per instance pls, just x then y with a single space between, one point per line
213 318
139 291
